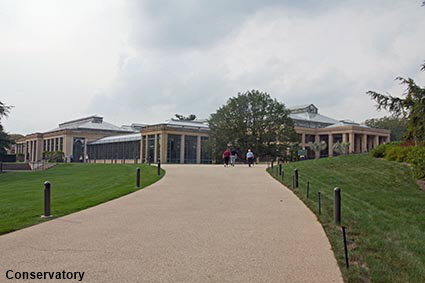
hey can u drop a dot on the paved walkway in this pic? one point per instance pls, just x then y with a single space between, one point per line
198 224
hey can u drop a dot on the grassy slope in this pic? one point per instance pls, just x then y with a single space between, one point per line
74 187
383 209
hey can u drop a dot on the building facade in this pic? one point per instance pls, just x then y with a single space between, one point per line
178 142
71 138
91 139
314 127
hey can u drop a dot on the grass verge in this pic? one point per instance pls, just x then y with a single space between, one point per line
73 187
382 207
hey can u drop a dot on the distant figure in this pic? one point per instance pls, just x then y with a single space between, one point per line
233 156
250 158
226 157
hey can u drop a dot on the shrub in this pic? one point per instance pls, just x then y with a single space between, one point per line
53 156
381 150
378 151
417 158
403 153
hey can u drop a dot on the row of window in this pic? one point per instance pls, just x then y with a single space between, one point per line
54 144
131 150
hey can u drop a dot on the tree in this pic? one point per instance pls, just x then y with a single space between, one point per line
191 117
252 120
317 147
396 125
4 138
412 107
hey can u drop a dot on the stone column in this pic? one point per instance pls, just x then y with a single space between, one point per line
330 144
85 150
155 149
317 140
364 143
26 151
344 137
163 149
375 141
198 150
182 149
351 140
303 140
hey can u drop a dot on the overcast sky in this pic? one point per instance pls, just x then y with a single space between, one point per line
143 61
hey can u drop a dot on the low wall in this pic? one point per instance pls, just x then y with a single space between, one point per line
115 161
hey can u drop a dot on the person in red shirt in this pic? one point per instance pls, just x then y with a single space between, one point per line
226 157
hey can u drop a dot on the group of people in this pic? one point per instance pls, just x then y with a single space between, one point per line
231 155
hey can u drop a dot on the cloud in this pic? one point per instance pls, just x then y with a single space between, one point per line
144 61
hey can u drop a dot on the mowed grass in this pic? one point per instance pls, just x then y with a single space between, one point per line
73 187
382 207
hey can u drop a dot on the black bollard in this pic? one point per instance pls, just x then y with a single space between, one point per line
337 206
296 177
272 165
138 178
283 175
347 264
319 202
308 188
159 167
46 199
280 169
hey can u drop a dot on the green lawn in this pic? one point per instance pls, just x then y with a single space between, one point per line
382 207
73 187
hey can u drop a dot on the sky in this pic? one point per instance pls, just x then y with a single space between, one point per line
142 61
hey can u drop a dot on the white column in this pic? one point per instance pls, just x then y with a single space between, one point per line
182 149
364 143
375 141
198 150
317 140
351 140
155 149
330 145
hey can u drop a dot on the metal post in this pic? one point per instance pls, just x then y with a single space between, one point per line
308 188
283 175
347 264
337 206
46 199
272 165
280 169
138 177
296 177
159 167
1 167
320 202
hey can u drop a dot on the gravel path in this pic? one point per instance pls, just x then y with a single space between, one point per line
198 224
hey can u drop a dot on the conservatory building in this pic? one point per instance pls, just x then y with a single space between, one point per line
314 127
91 139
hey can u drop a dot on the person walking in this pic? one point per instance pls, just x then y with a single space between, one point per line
250 157
233 156
226 157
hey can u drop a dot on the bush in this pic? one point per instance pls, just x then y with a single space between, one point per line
417 158
53 156
403 153
379 151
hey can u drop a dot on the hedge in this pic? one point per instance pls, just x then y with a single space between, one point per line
401 153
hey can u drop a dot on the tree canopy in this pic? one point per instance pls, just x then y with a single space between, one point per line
252 120
411 107
396 125
4 137
191 117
